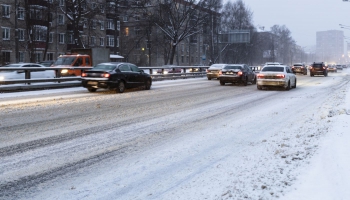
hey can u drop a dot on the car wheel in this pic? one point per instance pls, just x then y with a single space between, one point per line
92 89
222 83
326 74
311 75
288 86
259 87
148 84
295 84
305 73
209 79
245 82
254 81
121 87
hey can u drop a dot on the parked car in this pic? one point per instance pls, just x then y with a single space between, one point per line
166 69
332 68
339 67
115 75
214 70
20 74
276 76
318 68
299 68
237 73
47 63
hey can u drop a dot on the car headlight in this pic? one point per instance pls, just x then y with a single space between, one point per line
63 71
2 78
165 72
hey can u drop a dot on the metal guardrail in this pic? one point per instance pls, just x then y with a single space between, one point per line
7 85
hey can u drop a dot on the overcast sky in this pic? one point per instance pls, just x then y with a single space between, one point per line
302 17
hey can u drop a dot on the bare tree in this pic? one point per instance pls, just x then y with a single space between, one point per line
284 43
179 19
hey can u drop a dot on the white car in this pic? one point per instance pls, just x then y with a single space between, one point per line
276 76
20 74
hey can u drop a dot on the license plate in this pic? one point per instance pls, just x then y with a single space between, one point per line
92 82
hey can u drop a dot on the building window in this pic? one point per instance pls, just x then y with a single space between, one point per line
21 33
21 56
40 33
70 39
6 11
50 37
6 57
93 24
20 14
125 18
102 41
61 38
5 33
102 8
37 57
84 21
35 14
137 44
137 30
137 18
60 19
110 40
117 42
93 40
61 2
110 24
102 25
126 31
49 56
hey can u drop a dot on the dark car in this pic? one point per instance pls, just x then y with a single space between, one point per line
299 68
47 63
115 75
237 73
318 68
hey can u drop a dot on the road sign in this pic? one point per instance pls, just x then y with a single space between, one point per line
234 36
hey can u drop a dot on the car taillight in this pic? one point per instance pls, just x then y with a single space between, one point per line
324 67
84 74
220 72
280 76
106 75
310 67
240 73
207 70
261 76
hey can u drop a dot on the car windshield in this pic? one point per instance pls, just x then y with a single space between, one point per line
105 67
217 66
273 69
64 61
297 65
317 65
233 67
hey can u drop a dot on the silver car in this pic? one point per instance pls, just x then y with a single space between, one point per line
214 70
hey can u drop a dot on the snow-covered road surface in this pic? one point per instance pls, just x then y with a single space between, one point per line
183 139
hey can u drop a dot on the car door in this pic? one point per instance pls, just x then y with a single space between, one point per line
139 78
291 75
250 73
127 75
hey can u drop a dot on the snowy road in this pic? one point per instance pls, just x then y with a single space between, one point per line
183 139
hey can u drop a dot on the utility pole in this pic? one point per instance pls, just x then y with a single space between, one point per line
16 32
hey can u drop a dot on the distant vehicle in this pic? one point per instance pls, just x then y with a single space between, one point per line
276 76
318 68
20 74
339 67
299 68
214 70
332 68
47 63
237 73
166 69
198 68
115 75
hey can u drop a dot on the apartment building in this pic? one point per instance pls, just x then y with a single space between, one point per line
330 46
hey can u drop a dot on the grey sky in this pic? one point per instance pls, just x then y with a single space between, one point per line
302 17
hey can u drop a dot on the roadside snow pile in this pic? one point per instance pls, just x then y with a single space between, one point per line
287 155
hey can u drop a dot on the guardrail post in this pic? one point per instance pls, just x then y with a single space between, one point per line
27 75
